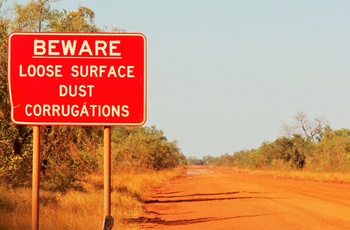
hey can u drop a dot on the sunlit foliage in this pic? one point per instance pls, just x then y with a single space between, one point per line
68 154
306 144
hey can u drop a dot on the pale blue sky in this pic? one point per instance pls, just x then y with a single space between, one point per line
223 75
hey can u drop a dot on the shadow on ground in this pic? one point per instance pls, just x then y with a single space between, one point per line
200 198
159 221
150 222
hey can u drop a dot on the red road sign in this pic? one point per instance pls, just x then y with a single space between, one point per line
77 78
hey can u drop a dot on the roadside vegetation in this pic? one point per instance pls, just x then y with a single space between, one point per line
71 180
308 148
68 154
83 210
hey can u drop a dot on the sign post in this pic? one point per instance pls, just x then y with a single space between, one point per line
35 179
107 171
90 79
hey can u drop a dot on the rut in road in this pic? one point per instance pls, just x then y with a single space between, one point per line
214 198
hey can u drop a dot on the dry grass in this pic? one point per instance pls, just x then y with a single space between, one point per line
336 177
81 210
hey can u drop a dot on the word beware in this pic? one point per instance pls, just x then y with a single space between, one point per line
72 48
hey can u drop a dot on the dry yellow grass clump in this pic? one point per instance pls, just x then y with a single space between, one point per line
82 210
336 177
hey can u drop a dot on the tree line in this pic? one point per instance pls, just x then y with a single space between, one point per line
305 144
68 154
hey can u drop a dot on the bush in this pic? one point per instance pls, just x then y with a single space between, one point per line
144 148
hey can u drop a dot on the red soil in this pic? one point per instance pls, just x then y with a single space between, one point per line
213 198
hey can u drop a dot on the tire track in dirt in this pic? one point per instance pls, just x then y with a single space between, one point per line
214 198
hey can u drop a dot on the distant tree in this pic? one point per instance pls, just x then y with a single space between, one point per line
306 144
144 148
240 158
332 153
291 152
193 160
310 130
224 160
209 159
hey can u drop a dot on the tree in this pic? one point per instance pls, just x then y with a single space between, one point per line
241 158
195 161
209 159
144 148
75 21
68 153
310 130
333 152
33 17
14 140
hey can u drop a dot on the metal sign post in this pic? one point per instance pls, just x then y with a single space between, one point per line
108 219
92 79
107 171
35 181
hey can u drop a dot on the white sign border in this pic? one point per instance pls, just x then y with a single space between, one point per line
78 123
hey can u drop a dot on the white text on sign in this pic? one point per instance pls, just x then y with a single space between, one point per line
77 71
77 78
96 48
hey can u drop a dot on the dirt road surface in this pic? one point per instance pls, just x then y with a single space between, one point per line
210 198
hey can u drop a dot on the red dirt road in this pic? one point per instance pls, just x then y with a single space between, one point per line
210 198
